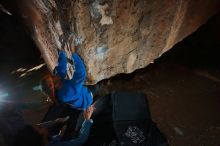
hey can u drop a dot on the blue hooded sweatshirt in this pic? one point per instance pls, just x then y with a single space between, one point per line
73 92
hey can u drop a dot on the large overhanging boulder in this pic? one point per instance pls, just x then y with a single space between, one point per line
113 36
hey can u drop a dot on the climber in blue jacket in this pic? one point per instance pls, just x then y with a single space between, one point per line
61 90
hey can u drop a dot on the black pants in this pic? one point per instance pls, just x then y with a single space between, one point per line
101 105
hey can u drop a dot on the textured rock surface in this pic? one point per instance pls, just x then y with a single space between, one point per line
114 36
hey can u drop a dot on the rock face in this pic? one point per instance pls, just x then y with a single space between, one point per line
113 36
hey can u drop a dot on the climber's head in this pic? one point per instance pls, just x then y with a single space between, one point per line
49 83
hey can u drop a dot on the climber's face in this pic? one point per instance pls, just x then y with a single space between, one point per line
57 82
49 84
50 90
